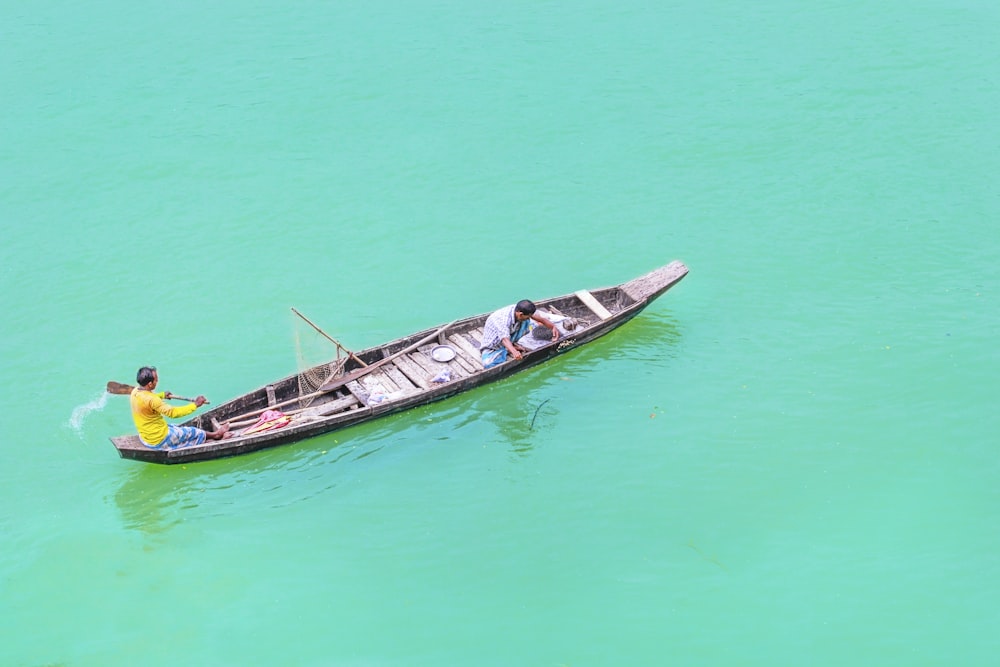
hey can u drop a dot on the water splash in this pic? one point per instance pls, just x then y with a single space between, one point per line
80 412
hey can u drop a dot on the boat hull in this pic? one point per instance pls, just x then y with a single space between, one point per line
404 365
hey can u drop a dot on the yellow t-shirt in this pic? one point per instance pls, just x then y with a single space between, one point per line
148 412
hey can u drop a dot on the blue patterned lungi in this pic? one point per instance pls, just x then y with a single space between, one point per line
180 436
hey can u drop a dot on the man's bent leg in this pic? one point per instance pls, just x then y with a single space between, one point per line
491 358
222 432
183 436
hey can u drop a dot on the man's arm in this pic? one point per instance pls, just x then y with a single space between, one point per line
544 322
167 411
514 352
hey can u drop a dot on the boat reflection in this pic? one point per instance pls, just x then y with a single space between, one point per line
155 498
524 418
519 413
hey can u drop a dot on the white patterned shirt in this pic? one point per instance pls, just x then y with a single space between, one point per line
501 324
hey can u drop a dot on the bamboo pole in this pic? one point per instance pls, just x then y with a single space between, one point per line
329 337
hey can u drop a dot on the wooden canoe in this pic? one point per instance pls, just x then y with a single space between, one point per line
399 374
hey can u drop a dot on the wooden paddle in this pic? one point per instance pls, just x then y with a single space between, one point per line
125 389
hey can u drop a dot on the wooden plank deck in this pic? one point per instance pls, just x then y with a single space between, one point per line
467 349
458 364
465 364
433 368
397 376
332 407
416 374
379 378
358 390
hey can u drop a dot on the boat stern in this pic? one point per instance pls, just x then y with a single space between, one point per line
131 447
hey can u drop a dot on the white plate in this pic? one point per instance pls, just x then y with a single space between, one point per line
443 353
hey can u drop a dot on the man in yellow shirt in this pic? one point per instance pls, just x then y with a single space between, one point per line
149 410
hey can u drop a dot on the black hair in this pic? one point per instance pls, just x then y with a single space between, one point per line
525 306
145 375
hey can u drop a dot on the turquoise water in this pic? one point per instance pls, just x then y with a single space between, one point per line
790 459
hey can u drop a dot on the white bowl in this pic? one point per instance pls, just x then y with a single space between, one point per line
443 353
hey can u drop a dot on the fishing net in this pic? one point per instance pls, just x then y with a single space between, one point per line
317 360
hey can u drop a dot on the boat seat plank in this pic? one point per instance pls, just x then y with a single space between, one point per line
588 300
416 374
469 350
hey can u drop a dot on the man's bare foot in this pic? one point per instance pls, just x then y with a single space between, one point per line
223 432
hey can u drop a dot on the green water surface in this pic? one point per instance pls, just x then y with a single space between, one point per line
790 459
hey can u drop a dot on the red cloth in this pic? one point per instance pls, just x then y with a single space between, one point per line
268 421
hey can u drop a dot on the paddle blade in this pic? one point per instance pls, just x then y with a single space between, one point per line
119 388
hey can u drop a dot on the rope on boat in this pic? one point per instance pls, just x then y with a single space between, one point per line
536 413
